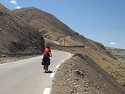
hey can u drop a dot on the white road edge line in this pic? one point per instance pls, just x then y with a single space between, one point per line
2 64
47 91
57 65
52 74
63 60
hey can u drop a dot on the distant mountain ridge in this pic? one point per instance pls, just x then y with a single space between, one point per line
117 53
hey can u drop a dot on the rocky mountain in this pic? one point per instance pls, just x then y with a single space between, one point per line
17 36
45 23
117 53
52 28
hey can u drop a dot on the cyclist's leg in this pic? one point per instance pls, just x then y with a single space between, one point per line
46 67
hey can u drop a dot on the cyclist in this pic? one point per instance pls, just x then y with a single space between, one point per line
46 57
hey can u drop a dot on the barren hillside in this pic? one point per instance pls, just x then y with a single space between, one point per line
117 53
51 28
45 23
112 66
84 76
17 36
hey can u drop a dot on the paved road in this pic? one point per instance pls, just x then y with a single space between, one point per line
27 77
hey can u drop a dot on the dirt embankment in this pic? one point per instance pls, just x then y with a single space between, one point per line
81 75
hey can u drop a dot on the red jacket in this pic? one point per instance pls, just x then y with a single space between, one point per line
47 51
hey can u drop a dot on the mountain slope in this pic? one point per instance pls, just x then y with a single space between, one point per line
51 28
84 76
17 36
117 53
44 22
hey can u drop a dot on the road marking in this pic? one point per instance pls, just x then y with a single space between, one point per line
70 55
3 63
52 74
63 60
57 65
47 91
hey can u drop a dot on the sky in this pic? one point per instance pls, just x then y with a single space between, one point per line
99 20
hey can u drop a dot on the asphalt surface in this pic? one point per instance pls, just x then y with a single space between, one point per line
27 76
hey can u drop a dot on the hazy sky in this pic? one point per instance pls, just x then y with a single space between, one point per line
100 20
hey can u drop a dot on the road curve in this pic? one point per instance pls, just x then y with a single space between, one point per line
27 76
